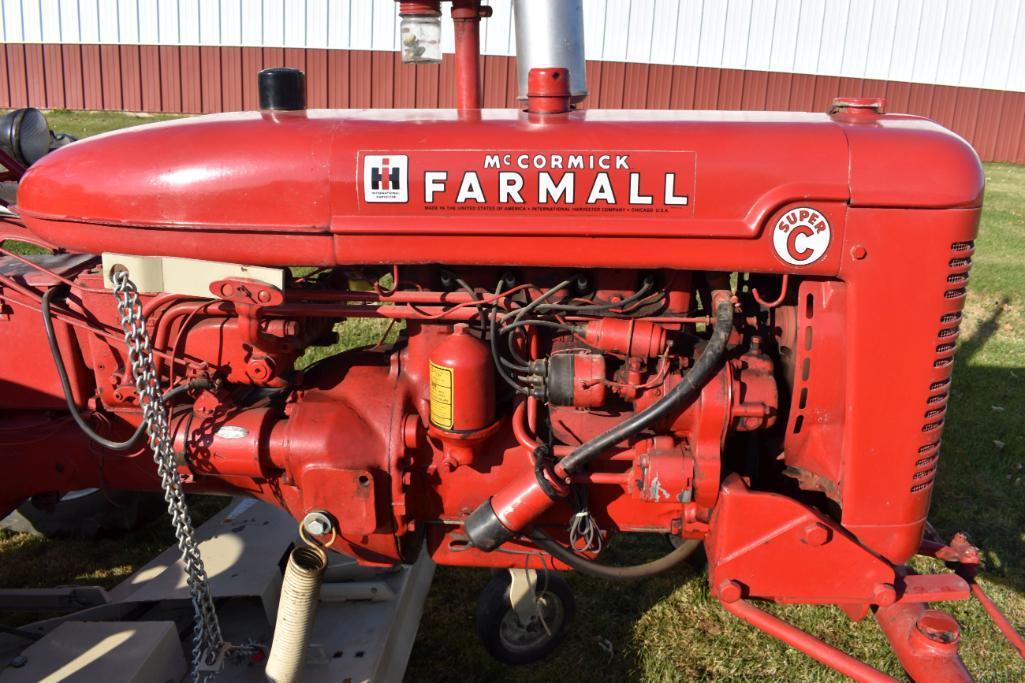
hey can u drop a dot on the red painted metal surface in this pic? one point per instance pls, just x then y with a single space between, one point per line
313 159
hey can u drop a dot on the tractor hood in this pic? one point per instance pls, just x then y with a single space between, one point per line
318 187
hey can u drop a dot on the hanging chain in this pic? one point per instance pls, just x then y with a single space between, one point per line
208 644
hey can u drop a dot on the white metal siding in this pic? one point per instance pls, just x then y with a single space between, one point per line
972 43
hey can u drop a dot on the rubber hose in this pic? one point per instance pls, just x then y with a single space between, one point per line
62 375
609 572
688 388
300 593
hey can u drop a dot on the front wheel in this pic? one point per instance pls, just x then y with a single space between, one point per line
505 635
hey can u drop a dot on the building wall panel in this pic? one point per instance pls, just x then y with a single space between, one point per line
53 73
110 78
317 78
231 79
5 88
92 77
16 75
150 73
252 63
194 79
211 83
1010 128
170 79
131 78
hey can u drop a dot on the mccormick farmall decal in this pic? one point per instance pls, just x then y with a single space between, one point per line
632 183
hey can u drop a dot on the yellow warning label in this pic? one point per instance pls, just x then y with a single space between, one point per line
441 396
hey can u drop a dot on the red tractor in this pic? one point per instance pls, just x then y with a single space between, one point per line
679 323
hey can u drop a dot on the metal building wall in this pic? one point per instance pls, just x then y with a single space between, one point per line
961 63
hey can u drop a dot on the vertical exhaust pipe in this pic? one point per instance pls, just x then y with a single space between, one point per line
550 34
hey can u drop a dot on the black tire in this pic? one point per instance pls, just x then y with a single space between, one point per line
502 633
91 513
697 560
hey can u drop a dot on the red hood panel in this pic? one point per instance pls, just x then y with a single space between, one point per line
501 172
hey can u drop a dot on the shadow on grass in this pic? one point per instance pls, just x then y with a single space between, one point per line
980 487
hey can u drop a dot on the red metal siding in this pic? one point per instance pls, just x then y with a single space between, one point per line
317 78
211 83
382 79
53 69
252 62
194 79
92 77
360 79
635 86
426 85
35 73
660 87
131 77
16 75
150 74
1010 127
74 85
170 79
191 79
110 68
684 90
5 86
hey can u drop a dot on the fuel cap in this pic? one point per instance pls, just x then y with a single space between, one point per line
282 89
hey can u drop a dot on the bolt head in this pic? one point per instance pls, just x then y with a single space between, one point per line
731 591
317 523
816 534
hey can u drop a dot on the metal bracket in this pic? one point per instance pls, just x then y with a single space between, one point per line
190 277
522 593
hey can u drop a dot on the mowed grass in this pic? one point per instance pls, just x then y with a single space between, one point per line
668 628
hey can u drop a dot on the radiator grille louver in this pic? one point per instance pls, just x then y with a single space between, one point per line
959 263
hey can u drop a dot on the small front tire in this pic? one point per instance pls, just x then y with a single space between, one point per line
506 637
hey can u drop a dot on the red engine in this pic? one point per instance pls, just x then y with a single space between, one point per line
735 328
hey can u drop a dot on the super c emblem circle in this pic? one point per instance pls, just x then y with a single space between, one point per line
801 236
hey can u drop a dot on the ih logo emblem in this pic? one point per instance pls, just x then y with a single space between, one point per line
801 237
386 179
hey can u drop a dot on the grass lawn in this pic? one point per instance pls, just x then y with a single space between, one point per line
668 628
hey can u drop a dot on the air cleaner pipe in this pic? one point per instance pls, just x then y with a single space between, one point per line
466 16
300 593
519 503
550 34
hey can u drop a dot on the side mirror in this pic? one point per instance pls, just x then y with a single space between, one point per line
26 137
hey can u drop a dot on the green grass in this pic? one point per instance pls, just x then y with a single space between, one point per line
83 125
668 628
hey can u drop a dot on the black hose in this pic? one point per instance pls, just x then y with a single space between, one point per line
62 374
688 388
609 572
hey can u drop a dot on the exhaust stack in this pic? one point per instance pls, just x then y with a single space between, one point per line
550 33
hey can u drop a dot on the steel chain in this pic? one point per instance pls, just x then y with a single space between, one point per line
208 643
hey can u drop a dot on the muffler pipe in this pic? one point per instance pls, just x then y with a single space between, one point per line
300 593
550 34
